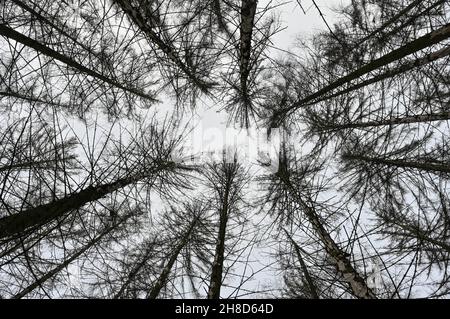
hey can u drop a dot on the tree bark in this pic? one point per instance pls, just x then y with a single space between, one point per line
42 164
409 65
217 267
43 19
248 11
394 19
221 24
32 99
20 223
401 163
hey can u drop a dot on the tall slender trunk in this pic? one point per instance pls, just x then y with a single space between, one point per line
311 285
29 42
33 218
45 20
443 116
133 273
144 24
409 65
39 281
162 279
248 11
342 263
217 267
401 163
42 164
423 42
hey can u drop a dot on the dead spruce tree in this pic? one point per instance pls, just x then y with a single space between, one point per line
376 62
246 29
157 267
84 66
406 187
53 231
387 119
226 180
37 162
184 46
47 279
191 230
290 198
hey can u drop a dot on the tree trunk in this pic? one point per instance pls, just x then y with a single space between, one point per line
423 42
411 19
311 285
248 10
350 275
20 223
143 24
443 116
42 164
32 99
401 163
43 19
162 279
392 20
409 65
221 24
16 36
217 267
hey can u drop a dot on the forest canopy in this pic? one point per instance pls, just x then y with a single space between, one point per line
101 195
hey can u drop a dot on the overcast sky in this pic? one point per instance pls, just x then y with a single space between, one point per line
299 24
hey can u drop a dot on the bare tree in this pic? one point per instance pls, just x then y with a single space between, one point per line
225 181
289 182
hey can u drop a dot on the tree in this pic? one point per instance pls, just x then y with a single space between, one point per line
289 180
157 161
226 181
100 196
